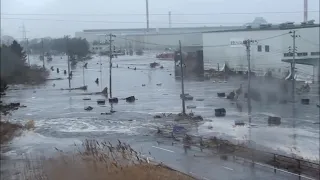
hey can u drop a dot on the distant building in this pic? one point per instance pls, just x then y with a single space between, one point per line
139 38
270 53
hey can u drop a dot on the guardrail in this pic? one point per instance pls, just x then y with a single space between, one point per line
277 161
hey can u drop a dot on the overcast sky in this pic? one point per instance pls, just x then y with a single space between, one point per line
64 17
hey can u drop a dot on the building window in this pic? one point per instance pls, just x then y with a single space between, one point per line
315 53
266 48
259 48
302 54
288 54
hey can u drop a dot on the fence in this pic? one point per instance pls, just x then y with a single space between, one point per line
277 161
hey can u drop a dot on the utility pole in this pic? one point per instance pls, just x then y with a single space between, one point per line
147 14
68 60
110 63
293 64
28 53
25 39
182 83
170 19
247 43
43 65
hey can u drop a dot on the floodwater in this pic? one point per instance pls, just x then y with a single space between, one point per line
61 120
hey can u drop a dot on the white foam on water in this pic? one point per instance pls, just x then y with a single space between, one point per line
30 142
306 143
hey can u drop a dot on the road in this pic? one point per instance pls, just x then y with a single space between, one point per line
208 167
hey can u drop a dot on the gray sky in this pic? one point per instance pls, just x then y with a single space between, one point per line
61 17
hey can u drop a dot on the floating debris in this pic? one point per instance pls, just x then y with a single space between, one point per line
113 100
191 107
305 101
231 95
143 85
221 94
130 99
89 108
154 64
101 101
186 97
239 123
273 120
157 116
200 99
106 113
159 84
86 99
220 112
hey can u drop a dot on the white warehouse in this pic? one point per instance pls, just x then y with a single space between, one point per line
270 51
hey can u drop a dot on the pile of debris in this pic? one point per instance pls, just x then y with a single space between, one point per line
9 107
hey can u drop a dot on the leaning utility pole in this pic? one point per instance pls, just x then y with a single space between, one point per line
182 83
110 63
293 64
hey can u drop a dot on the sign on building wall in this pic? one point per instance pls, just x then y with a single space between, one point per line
236 42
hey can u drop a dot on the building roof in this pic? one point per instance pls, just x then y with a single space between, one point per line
164 29
266 28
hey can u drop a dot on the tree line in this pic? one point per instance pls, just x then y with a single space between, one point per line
73 46
15 69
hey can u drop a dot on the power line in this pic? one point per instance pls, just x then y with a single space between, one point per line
120 22
310 42
156 14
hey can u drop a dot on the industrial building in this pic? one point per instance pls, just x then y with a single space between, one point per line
154 38
271 50
223 44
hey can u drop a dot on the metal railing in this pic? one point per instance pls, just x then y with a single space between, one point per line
276 161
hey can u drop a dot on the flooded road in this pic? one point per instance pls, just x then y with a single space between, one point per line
61 120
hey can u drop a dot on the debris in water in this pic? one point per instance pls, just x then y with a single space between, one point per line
101 101
159 84
239 123
130 99
231 95
106 113
89 108
220 112
191 107
221 94
143 85
186 97
157 116
86 99
113 100
199 99
305 101
273 120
